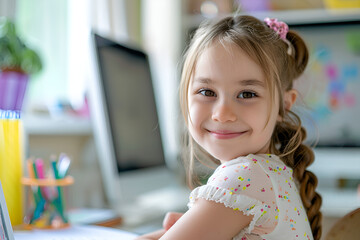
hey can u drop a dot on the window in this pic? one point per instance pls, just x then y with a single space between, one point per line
43 26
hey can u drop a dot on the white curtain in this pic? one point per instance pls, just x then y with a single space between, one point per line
109 18
7 8
106 17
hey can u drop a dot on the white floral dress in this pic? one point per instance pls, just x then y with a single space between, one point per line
263 186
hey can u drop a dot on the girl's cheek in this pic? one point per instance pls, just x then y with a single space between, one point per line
198 112
194 111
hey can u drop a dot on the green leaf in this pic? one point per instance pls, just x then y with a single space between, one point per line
31 62
13 51
7 28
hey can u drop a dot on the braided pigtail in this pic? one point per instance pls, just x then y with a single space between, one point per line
288 144
289 135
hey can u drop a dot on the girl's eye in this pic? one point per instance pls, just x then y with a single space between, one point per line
247 95
207 93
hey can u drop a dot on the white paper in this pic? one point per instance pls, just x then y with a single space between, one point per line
76 233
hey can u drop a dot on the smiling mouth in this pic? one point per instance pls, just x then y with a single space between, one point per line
226 134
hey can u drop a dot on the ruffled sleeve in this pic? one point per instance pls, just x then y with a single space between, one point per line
241 185
247 205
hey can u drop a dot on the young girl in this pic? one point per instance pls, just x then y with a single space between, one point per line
236 95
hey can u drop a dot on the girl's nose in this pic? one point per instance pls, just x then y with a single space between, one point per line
223 112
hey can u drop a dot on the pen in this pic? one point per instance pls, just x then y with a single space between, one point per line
39 163
39 195
29 165
58 201
63 165
41 201
30 215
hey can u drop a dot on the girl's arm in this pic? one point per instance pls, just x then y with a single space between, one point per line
169 220
208 220
152 236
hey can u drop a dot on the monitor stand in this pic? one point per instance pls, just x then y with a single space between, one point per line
153 205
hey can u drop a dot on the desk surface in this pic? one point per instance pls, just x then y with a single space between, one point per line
76 232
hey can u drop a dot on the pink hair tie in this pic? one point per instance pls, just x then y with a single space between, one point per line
281 29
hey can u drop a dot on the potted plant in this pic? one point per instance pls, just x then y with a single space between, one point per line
17 62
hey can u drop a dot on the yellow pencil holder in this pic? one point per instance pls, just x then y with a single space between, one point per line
46 206
11 159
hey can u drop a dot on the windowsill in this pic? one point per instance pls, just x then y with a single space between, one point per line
61 125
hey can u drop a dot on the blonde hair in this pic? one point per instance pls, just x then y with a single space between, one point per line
270 52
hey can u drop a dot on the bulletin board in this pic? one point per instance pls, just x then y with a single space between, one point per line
329 103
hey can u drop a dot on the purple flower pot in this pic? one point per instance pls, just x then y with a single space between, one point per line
12 90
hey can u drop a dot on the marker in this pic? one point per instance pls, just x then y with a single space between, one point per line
58 202
39 163
41 201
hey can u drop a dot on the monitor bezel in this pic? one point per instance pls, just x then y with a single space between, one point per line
101 42
117 186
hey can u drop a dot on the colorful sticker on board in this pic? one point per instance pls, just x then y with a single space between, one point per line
353 41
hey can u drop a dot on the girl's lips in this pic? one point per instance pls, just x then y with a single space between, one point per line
226 134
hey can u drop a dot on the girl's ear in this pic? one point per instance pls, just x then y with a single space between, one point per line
290 98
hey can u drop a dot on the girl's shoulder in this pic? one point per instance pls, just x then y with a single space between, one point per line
273 165
268 164
244 171
251 159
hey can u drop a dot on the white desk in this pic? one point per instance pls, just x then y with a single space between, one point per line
76 232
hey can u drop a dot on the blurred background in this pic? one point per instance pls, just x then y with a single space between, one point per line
57 117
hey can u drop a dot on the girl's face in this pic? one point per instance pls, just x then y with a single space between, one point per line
229 110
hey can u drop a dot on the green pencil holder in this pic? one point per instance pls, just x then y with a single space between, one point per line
46 206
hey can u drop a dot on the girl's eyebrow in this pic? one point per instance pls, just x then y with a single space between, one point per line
245 82
254 82
203 80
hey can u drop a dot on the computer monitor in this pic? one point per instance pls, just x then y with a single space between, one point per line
126 126
331 84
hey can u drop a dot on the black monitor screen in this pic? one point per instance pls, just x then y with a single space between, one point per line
130 103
